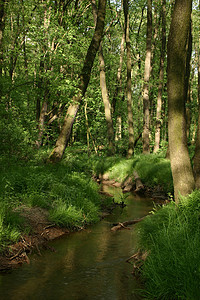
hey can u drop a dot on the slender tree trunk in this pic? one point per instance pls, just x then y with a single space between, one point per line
147 71
129 98
63 138
106 101
197 148
183 178
2 25
104 91
118 89
161 77
118 94
42 119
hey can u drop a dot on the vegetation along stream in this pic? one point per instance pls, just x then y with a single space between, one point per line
90 264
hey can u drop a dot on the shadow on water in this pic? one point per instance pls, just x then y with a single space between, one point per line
87 265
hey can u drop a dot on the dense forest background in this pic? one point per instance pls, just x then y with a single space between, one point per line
43 48
103 89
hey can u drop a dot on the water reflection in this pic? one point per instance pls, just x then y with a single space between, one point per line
87 265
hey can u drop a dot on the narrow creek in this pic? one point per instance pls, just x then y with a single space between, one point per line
87 265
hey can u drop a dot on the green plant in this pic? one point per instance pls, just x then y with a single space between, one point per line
171 237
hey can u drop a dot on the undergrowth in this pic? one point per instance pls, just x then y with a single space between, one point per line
153 170
171 238
66 190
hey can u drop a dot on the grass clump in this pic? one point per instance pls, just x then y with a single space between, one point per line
171 237
10 225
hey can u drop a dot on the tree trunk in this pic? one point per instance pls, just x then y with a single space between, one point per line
104 91
147 71
63 138
118 89
161 77
183 178
197 148
106 101
2 25
129 98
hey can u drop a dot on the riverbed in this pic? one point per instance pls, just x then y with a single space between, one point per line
86 265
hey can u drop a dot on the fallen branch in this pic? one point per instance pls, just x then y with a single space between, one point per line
125 224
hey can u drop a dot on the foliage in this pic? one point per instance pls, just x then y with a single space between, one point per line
171 238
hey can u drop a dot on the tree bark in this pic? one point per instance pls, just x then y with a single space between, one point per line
63 138
129 98
2 25
196 167
161 77
104 91
147 71
106 102
183 178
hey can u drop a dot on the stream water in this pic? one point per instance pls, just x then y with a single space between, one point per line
87 265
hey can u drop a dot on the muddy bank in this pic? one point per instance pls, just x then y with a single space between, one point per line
132 183
41 231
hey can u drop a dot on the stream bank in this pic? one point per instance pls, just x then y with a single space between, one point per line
89 264
43 231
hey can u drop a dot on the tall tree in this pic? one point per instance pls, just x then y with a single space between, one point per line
64 136
129 98
161 77
104 91
183 178
2 24
197 148
147 72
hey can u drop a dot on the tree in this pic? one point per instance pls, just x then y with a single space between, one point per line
2 25
63 138
147 72
104 91
129 98
161 77
196 167
183 178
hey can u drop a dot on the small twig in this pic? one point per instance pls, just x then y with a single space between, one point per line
48 226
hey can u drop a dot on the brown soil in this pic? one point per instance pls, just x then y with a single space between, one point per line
41 232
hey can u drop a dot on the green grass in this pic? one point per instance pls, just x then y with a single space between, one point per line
66 190
172 238
154 170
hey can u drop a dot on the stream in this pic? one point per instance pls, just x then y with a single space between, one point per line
87 265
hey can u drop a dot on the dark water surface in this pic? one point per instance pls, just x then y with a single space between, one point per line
87 265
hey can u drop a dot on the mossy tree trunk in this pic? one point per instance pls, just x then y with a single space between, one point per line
129 98
65 133
183 178
197 148
147 72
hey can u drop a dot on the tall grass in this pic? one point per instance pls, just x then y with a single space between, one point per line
153 170
172 238
66 190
